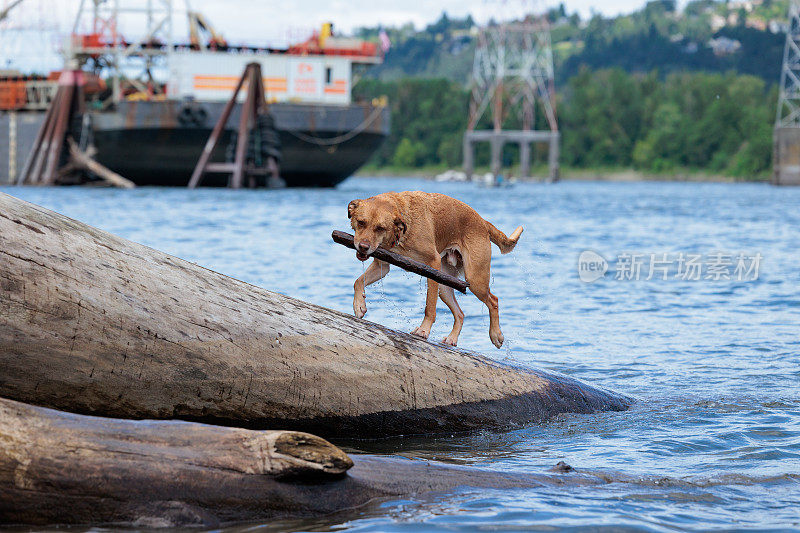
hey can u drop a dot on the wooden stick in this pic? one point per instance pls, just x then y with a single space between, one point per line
405 263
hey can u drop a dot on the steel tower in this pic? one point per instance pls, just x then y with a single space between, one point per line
512 71
786 155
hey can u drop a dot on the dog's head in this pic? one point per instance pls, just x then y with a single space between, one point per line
376 222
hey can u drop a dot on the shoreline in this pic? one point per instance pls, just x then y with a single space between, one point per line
620 175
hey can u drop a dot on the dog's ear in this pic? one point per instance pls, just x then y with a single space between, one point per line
399 228
351 207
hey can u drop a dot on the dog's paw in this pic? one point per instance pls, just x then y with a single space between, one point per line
421 332
497 338
359 308
450 340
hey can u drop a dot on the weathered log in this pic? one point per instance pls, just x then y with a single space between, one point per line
59 468
405 263
91 323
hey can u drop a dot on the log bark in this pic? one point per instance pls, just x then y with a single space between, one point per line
405 263
94 324
59 468
64 468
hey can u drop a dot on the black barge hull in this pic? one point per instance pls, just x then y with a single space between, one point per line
153 142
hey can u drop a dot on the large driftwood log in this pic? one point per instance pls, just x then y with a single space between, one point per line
59 468
95 324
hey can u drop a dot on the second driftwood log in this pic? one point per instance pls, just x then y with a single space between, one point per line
60 468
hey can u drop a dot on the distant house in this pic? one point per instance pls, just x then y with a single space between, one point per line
747 5
717 22
723 46
778 26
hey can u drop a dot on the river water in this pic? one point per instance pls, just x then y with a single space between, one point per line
713 440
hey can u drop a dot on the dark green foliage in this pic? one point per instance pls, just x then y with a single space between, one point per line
642 90
602 117
760 54
720 123
428 120
655 37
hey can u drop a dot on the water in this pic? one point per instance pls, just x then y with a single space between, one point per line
713 441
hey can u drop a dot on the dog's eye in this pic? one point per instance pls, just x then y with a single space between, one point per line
361 223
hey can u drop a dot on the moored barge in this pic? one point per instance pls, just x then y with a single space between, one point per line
153 131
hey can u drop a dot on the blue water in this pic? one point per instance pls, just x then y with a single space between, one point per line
713 441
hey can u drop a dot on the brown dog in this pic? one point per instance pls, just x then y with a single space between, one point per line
439 231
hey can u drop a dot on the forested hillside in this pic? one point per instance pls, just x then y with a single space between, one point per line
657 90
720 123
703 36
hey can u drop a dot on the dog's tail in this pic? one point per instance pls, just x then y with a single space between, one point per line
506 244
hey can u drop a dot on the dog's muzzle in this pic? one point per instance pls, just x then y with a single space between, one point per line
362 251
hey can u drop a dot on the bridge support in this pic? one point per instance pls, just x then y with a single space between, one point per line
524 138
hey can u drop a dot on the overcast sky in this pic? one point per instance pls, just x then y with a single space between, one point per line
266 17
35 27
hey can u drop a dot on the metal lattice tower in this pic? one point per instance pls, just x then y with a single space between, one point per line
786 156
789 100
132 61
513 70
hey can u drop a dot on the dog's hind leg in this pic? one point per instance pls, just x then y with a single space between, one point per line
430 302
375 271
448 296
477 267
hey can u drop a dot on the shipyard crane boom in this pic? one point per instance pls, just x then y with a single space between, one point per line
197 24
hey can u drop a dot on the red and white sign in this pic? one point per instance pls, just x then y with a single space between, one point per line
305 77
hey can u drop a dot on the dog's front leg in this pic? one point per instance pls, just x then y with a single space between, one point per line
375 271
430 304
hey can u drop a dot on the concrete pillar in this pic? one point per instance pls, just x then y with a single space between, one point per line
469 164
552 156
497 153
524 159
774 178
786 159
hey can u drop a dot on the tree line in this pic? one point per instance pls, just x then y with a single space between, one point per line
608 118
